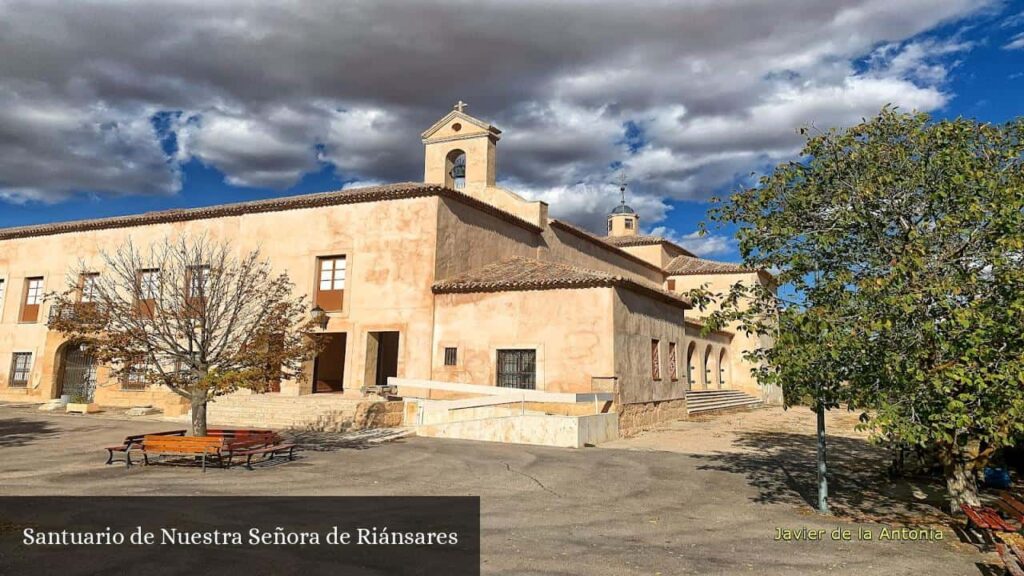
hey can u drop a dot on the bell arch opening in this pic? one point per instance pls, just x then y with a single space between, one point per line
455 169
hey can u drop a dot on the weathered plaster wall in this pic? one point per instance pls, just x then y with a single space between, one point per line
389 246
638 320
566 247
468 238
570 329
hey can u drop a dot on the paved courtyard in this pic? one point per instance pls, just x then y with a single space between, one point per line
664 503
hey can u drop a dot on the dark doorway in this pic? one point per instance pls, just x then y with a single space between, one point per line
381 357
78 374
329 366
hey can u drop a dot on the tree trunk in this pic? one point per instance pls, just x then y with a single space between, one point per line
961 482
198 416
822 462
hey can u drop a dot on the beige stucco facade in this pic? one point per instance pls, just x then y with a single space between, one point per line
591 317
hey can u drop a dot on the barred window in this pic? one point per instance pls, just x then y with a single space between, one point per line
135 378
451 356
655 359
517 369
21 367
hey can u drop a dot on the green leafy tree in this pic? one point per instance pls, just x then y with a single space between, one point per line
899 244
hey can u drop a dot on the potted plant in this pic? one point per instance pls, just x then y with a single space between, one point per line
81 404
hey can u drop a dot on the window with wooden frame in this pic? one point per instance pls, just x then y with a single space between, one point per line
135 377
330 288
656 359
671 285
451 356
198 282
21 369
149 290
197 287
673 372
88 287
517 369
33 300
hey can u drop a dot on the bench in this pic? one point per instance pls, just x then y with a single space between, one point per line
986 518
268 450
200 447
133 442
1011 506
1012 557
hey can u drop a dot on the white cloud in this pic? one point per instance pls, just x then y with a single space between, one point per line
1015 43
267 93
702 245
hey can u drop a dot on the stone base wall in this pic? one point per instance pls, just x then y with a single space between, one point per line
387 414
636 418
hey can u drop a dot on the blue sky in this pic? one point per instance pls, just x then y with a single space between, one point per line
94 129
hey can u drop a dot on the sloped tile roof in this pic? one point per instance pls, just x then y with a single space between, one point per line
519 274
646 240
599 241
686 265
350 196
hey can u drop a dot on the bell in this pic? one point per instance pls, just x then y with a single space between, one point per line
458 171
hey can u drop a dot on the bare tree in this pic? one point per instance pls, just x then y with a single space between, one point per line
189 314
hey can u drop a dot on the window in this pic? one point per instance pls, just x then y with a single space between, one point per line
655 359
33 299
673 373
330 290
198 281
629 224
609 226
149 284
3 287
135 378
451 356
21 367
671 285
90 286
517 369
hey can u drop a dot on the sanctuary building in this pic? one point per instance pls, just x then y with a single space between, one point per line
451 280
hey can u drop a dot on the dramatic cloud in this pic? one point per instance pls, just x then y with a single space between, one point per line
113 98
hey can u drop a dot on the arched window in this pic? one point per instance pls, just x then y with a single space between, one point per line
707 367
723 369
455 169
691 370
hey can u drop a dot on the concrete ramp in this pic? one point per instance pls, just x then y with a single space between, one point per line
493 414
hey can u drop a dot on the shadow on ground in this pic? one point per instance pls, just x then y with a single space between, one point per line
332 441
20 431
782 466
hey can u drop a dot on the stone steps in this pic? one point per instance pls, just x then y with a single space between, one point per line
698 401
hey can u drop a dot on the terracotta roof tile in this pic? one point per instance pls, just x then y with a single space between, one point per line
518 274
686 265
351 196
645 240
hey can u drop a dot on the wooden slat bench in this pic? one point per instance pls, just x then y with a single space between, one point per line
1012 557
986 518
268 450
196 446
135 441
1011 506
